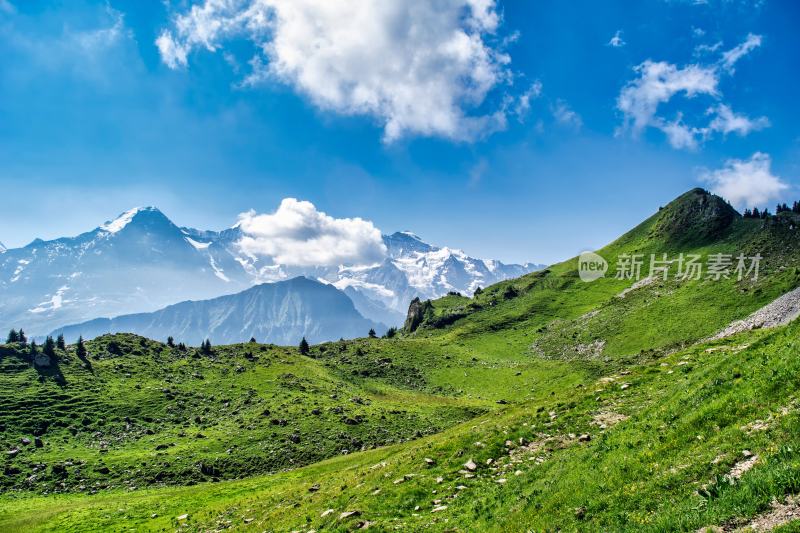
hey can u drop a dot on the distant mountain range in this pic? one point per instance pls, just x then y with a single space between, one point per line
141 262
278 313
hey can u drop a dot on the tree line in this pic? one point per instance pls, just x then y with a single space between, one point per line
780 208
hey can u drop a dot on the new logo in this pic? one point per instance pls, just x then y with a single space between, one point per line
591 266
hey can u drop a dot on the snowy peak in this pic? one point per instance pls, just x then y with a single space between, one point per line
139 214
403 243
2 248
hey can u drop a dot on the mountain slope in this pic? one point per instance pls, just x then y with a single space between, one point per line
276 313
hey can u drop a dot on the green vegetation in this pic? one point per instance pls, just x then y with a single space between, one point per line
541 403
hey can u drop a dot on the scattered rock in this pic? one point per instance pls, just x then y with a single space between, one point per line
742 467
781 514
326 513
470 465
439 508
314 487
349 514
584 438
429 461
183 517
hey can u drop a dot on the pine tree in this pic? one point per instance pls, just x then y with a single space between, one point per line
796 207
60 344
205 347
756 213
253 340
34 350
747 213
22 338
13 336
391 332
170 342
478 291
49 348
304 347
80 348
372 333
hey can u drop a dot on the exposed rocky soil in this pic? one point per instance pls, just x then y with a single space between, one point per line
777 313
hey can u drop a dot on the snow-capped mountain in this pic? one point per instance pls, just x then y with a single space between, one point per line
141 262
137 262
278 313
414 268
2 248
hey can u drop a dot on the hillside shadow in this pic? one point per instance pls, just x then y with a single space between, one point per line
53 371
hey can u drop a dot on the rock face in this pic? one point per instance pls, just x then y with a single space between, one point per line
416 314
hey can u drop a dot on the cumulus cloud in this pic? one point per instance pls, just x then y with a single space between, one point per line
748 182
658 82
297 234
418 67
616 41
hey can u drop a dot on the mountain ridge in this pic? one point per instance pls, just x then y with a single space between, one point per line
276 313
141 261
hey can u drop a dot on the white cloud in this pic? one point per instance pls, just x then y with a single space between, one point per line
173 54
616 41
659 82
705 49
733 55
297 234
565 116
418 67
726 121
746 183
679 134
523 103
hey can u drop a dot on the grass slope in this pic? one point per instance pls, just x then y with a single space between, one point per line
580 409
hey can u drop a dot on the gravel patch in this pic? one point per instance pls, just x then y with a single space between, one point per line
777 313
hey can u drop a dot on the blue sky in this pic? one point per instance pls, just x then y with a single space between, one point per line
537 136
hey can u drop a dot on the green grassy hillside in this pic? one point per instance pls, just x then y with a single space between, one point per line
543 403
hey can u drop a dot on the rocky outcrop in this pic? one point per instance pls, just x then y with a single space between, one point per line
695 217
417 312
